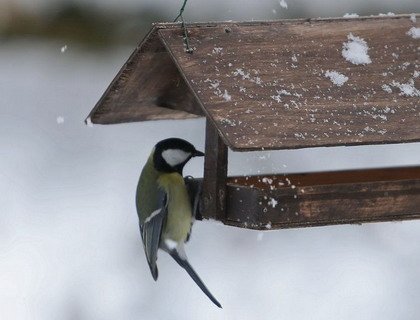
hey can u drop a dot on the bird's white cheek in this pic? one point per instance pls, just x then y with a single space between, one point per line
174 157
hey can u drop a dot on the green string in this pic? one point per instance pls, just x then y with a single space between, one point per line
184 27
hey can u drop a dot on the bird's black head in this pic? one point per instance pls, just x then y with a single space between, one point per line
172 154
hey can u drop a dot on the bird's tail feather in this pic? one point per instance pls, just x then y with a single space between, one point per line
185 264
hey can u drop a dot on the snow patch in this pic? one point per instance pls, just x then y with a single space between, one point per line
386 88
89 122
350 15
280 93
414 33
215 85
247 76
241 72
267 180
356 50
227 96
217 50
229 122
284 92
337 78
407 89
389 14
273 202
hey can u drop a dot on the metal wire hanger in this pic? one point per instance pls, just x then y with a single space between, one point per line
184 27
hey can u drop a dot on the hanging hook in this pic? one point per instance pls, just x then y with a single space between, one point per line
184 27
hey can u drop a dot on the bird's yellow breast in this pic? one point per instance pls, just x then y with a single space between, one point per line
179 219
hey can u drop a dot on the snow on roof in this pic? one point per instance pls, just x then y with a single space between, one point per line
270 85
356 50
336 77
414 33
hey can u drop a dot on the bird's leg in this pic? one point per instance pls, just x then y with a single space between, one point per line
184 27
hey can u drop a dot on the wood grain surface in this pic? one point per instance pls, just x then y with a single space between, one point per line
213 199
148 87
264 84
328 198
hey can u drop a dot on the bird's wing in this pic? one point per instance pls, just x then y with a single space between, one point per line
179 256
151 232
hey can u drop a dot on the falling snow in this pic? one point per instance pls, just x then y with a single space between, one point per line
28 262
60 120
283 4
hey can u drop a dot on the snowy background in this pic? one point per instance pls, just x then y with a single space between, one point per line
69 242
239 9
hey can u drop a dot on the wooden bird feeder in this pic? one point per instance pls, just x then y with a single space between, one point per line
273 86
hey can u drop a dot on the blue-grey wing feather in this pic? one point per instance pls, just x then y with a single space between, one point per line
151 233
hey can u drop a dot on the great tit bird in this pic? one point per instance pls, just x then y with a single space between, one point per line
164 206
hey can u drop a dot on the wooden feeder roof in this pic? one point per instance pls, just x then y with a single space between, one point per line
267 85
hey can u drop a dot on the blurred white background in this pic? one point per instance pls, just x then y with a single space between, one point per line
69 242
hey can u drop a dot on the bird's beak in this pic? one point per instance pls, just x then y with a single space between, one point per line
198 154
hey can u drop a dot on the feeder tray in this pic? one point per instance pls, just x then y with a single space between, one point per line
266 86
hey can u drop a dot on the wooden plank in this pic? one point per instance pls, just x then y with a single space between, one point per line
264 84
213 203
328 198
148 87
